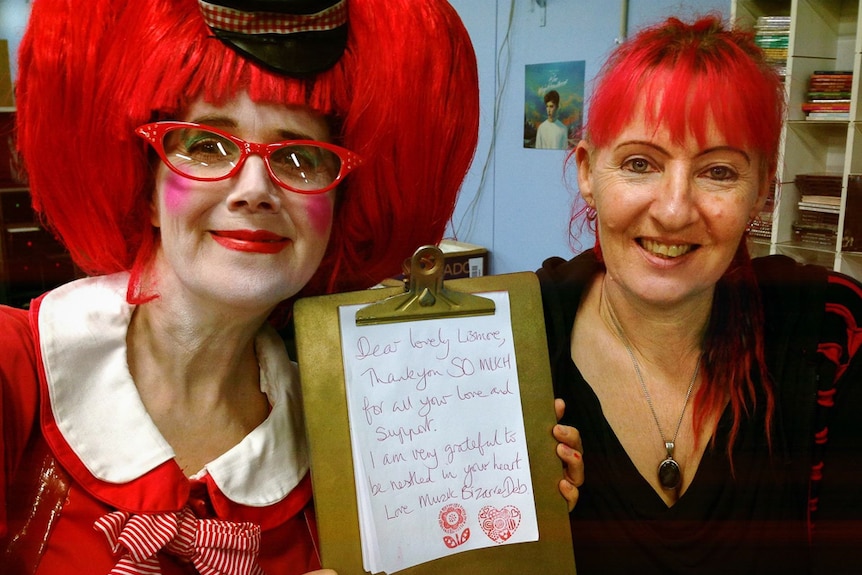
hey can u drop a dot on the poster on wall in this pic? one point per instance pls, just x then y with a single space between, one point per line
553 104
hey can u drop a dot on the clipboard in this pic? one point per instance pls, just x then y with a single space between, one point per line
325 403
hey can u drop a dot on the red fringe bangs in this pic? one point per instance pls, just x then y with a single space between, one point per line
701 76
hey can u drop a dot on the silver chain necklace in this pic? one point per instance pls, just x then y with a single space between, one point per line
669 473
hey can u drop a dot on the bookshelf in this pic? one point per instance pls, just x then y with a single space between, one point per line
821 149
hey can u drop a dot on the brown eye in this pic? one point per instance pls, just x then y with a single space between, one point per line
638 165
721 173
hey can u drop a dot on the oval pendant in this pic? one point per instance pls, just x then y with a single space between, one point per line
669 474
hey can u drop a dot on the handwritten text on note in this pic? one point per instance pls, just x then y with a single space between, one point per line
437 434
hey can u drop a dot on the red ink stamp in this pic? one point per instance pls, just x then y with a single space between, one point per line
499 524
452 518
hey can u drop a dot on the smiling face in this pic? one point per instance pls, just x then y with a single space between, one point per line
670 214
243 241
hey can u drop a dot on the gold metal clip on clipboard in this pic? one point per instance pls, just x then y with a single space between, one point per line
426 297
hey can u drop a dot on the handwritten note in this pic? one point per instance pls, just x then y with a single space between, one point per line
437 436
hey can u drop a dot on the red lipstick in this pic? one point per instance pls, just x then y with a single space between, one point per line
255 241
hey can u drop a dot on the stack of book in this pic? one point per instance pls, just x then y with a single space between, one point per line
819 208
772 34
828 95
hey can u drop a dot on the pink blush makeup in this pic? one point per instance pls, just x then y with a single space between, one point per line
319 210
175 192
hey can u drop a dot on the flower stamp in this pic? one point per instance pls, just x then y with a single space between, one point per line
452 518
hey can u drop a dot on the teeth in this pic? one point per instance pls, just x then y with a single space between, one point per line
665 250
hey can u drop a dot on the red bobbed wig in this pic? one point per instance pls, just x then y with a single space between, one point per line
404 96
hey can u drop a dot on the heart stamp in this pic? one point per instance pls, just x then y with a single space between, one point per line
499 524
452 518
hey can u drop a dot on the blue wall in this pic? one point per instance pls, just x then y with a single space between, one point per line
13 18
516 201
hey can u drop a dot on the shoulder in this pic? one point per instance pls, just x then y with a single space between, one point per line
793 295
557 272
17 342
782 273
562 284
791 287
811 304
14 325
19 382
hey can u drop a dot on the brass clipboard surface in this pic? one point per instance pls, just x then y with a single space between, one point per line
319 356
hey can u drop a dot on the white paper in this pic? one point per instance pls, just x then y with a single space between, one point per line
437 436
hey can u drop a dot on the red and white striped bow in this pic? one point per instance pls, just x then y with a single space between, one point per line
213 546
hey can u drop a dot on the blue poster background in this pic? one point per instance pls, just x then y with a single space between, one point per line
567 78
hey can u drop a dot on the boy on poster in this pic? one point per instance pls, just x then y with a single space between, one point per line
553 105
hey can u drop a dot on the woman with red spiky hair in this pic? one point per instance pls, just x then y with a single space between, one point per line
207 162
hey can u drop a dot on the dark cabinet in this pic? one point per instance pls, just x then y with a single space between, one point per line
32 261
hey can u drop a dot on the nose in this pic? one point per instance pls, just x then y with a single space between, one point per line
253 189
674 206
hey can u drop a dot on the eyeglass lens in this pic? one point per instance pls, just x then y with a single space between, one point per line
203 154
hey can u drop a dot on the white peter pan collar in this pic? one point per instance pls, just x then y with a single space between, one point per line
96 406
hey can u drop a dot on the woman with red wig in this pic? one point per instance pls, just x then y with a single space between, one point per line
207 162
711 399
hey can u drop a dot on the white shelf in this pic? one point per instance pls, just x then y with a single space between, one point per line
824 35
